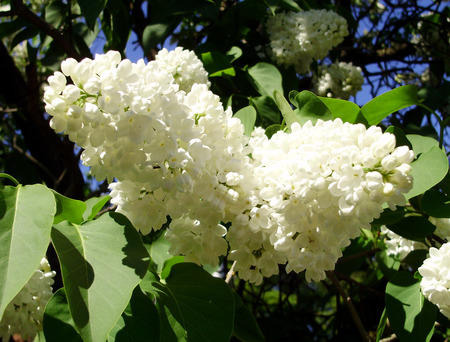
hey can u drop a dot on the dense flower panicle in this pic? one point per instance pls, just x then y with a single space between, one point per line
25 312
297 198
339 80
298 37
435 284
318 185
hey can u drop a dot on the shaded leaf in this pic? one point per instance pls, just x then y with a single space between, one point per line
198 303
413 228
139 322
436 203
153 35
268 113
91 9
245 326
58 321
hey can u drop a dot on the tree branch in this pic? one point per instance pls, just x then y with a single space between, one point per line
24 12
350 306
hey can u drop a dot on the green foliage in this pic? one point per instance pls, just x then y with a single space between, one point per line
26 217
247 115
411 316
265 78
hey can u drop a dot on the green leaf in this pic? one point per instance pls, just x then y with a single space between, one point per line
436 203
268 113
139 321
58 321
26 217
421 144
380 107
381 325
410 315
201 304
388 264
245 326
153 35
55 13
169 263
234 53
102 261
159 252
400 136
247 115
93 206
283 105
91 9
415 258
345 110
413 228
265 78
217 64
309 108
68 209
427 171
272 129
389 216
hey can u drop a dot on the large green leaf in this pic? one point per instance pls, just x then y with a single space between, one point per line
217 64
413 228
26 217
427 171
91 9
268 113
68 209
58 321
285 108
345 110
387 264
153 35
198 303
93 206
245 326
102 261
436 203
380 107
139 322
265 78
309 108
411 316
247 115
421 144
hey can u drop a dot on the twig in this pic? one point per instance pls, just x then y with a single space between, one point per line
391 338
350 306
230 273
24 12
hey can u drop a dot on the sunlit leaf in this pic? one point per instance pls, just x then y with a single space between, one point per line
247 115
265 78
26 217
382 106
102 261
411 316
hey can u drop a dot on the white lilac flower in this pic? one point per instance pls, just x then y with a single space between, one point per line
339 80
298 37
25 312
442 227
399 246
317 186
435 283
184 66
